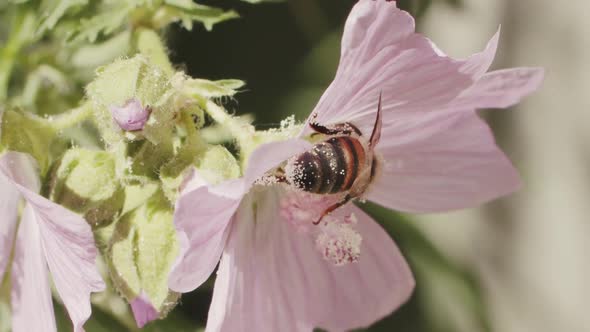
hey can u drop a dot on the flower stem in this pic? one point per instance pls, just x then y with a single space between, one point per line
70 118
242 131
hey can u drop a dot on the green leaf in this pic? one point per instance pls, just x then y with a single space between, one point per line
25 132
103 24
54 10
187 11
200 88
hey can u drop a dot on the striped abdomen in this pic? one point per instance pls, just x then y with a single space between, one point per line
331 166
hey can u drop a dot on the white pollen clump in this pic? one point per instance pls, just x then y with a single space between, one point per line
339 243
336 238
288 123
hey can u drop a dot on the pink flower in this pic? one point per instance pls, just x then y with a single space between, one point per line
49 236
279 271
131 116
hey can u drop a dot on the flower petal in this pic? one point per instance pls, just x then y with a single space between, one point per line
454 168
71 253
21 170
201 218
68 242
479 63
272 278
202 226
9 199
382 54
32 308
500 89
143 311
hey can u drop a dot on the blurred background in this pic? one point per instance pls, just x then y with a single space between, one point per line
519 264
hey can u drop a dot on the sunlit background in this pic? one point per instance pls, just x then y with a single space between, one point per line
519 264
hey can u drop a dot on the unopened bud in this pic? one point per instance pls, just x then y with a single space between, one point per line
131 116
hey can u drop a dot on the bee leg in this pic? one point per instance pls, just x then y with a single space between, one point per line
323 129
333 207
281 178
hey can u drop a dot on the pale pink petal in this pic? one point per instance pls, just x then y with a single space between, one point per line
21 170
71 253
32 308
9 199
67 239
458 167
382 54
272 278
201 218
130 116
143 310
500 89
203 213
478 64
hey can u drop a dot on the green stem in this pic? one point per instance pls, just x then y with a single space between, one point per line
150 44
70 118
194 140
242 131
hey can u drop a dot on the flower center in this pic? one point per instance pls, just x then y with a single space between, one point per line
336 238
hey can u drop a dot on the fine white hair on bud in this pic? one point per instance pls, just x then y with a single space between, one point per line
131 116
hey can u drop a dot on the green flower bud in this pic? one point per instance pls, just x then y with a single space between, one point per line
218 164
85 181
133 80
142 251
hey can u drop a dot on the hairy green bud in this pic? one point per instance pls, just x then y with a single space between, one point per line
133 79
142 251
85 181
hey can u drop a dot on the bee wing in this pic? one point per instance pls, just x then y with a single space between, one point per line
376 135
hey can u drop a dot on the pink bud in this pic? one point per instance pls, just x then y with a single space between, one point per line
131 116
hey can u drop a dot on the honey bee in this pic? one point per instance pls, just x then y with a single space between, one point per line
344 163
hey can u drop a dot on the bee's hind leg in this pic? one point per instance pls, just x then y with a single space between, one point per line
330 209
339 129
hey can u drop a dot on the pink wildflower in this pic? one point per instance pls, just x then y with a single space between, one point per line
49 236
131 116
278 271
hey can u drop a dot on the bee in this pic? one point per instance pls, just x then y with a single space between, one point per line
344 163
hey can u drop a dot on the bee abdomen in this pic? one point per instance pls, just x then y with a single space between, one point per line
330 167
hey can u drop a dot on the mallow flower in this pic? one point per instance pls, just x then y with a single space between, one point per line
411 109
50 240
